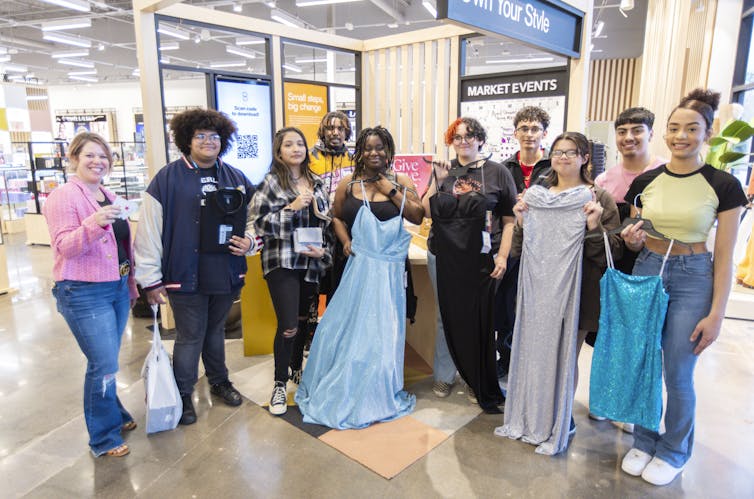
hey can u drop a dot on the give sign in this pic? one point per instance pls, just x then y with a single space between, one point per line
416 168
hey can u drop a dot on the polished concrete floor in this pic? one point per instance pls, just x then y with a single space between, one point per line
245 452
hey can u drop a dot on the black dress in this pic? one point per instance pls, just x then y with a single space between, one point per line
466 291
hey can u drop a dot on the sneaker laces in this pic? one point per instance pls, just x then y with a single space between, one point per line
279 396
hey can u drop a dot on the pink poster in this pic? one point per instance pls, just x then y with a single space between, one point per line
416 168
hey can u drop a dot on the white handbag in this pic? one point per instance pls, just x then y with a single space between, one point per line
164 405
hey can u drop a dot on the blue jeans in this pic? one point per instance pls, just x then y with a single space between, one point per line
688 282
444 368
97 313
200 331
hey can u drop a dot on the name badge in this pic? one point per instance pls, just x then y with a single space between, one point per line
486 242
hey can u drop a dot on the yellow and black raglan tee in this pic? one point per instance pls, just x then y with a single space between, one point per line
685 206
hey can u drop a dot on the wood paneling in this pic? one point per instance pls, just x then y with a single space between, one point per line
611 88
415 86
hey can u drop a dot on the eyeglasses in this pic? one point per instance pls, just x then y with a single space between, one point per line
570 153
529 129
461 138
202 137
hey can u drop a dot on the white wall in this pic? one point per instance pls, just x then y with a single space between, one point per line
724 47
124 98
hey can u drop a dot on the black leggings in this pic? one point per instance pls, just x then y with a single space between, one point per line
291 297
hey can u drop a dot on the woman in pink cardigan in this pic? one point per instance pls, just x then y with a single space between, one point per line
94 284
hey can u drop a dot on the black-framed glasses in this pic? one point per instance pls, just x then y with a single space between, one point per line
570 153
464 138
529 129
212 137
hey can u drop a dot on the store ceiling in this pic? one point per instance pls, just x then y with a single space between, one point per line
25 53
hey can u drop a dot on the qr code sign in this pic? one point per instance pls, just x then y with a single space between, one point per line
248 146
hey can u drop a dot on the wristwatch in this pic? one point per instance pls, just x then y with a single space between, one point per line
392 192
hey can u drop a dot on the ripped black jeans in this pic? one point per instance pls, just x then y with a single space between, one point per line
291 297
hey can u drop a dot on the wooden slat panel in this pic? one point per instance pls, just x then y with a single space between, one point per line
441 95
415 122
382 103
611 88
429 138
403 77
394 92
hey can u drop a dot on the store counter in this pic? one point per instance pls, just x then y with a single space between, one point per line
259 322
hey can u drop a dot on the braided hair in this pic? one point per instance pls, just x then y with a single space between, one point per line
361 140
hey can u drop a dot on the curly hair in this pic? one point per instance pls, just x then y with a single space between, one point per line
533 114
334 115
635 115
702 101
473 127
183 126
582 147
278 166
358 152
79 141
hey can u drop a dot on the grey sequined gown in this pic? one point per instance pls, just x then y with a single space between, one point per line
543 353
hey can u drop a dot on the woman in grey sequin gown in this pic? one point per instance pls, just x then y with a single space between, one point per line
550 229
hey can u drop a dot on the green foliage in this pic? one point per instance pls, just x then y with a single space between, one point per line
731 147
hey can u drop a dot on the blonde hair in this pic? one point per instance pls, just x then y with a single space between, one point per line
79 141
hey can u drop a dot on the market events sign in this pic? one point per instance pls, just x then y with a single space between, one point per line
529 84
552 24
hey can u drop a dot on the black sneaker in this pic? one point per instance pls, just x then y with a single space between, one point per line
225 390
189 414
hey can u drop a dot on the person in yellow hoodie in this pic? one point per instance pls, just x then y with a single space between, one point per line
331 161
330 158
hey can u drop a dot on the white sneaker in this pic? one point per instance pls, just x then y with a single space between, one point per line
635 461
659 472
441 389
279 399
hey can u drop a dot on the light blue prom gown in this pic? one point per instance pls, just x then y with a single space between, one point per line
354 374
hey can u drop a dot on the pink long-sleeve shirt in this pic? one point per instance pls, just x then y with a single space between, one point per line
82 249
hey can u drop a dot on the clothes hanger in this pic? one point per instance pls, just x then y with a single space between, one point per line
459 171
387 176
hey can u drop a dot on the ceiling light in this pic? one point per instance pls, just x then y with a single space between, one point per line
598 28
169 46
205 34
164 59
243 53
4 58
3 50
626 5
285 18
70 53
237 7
228 64
310 60
519 61
68 40
79 73
349 26
77 62
197 39
311 3
15 68
89 79
247 40
292 67
136 72
392 25
72 23
78 5
101 47
271 3
430 6
174 32
36 97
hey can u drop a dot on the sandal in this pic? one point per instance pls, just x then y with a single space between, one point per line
119 451
130 426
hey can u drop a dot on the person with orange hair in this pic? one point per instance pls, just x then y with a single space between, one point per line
470 200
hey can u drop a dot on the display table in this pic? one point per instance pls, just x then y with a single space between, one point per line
36 229
259 322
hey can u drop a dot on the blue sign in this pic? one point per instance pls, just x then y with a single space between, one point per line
552 25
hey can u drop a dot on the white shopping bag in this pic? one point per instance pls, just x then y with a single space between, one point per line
164 406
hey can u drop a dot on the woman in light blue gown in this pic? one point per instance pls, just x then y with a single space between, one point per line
354 374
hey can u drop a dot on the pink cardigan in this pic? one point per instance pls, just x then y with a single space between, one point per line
82 250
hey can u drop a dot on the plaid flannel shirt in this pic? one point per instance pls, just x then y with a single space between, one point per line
276 226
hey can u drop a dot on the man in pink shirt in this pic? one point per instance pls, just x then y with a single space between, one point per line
633 131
